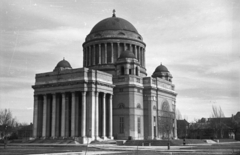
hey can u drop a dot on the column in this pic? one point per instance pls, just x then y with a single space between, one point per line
97 116
83 114
105 59
84 56
135 51
125 47
67 112
87 56
63 116
44 127
77 115
35 117
112 53
94 55
48 131
90 56
58 116
92 115
140 55
73 115
104 117
118 50
144 59
110 117
100 54
53 115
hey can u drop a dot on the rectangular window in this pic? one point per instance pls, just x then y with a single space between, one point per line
121 125
154 118
121 90
139 125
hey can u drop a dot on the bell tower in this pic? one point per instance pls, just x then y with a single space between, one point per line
128 98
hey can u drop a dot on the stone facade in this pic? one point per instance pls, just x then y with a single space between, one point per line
111 96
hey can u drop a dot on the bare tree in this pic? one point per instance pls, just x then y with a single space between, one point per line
217 112
7 122
6 118
178 114
216 121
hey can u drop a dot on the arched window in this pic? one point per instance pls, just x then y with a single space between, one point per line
122 70
130 71
136 71
154 107
121 106
138 106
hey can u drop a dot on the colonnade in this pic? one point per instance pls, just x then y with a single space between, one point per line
107 53
73 114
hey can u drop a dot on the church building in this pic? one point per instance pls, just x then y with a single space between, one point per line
111 97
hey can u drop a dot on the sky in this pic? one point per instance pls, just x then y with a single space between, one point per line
198 41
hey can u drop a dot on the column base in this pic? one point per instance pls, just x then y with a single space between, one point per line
98 138
110 137
104 138
84 140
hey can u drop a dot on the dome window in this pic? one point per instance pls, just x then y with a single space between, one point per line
122 70
136 71
139 38
121 34
97 35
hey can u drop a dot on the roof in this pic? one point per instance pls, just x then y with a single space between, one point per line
127 54
113 23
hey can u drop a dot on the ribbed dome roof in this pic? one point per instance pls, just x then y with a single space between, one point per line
113 23
127 54
161 68
63 64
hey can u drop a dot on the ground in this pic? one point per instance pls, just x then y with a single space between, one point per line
215 149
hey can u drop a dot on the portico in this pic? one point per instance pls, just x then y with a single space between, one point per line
75 113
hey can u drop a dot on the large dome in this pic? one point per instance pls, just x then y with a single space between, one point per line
113 23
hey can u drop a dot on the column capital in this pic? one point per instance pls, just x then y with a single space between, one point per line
97 93
104 95
84 92
110 95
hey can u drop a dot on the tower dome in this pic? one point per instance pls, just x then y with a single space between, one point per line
127 54
62 65
162 72
107 40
